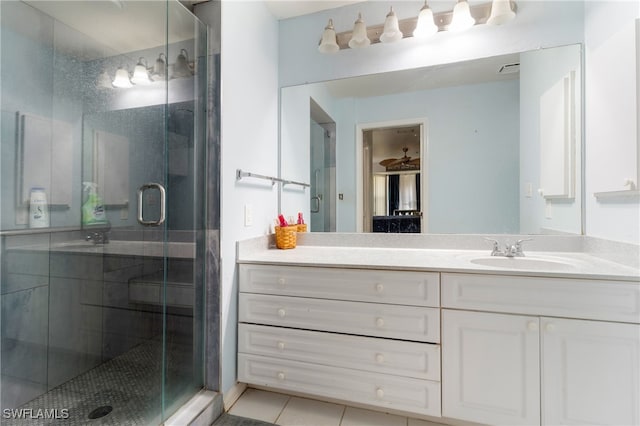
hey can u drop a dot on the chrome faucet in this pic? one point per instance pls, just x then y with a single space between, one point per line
98 234
510 250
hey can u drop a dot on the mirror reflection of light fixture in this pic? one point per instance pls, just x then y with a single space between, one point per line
104 81
501 12
329 43
392 31
140 73
462 18
160 68
425 27
181 67
121 79
359 36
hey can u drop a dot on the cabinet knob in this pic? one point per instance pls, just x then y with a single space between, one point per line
281 375
379 288
280 346
379 358
379 322
550 327
532 326
281 282
282 313
380 393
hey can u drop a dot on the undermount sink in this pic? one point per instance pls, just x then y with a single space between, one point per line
525 263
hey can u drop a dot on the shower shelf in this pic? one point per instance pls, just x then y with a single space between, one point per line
148 289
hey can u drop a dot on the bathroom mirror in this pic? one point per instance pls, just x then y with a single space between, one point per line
500 152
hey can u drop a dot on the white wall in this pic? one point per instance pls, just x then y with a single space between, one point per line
611 117
249 135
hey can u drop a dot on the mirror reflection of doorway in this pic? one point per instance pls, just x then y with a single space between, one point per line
392 166
323 171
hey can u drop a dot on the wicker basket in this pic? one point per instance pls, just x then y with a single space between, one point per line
286 236
302 227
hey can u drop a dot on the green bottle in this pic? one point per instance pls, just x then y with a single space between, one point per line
93 211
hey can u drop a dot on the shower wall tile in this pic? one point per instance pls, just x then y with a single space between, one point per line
75 318
73 265
24 344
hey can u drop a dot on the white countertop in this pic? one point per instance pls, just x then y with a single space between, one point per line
560 264
183 250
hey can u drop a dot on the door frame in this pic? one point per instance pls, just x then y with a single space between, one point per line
422 122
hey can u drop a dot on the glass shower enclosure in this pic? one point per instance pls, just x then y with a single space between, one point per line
102 210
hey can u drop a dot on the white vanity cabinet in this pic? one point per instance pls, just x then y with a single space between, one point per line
551 351
359 335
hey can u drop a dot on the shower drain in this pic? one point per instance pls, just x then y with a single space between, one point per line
100 412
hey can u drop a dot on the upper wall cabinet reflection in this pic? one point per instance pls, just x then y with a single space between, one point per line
500 150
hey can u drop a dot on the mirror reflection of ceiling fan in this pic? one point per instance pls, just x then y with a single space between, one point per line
401 164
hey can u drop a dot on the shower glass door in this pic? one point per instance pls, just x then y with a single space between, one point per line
102 210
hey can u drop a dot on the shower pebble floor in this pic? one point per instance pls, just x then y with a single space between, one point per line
129 383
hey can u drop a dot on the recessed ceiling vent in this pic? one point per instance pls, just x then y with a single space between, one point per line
509 68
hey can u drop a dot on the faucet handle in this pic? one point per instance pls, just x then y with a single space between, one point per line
496 246
518 246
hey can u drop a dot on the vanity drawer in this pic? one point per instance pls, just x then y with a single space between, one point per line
367 285
561 297
381 390
410 359
368 319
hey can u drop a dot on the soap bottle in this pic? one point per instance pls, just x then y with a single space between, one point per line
93 211
38 208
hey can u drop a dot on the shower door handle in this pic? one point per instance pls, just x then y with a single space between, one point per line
163 199
317 199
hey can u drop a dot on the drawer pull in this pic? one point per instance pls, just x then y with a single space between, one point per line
550 328
379 358
532 326
281 282
281 346
380 393
282 313
280 375
379 288
379 322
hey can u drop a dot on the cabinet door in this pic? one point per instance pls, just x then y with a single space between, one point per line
590 372
490 368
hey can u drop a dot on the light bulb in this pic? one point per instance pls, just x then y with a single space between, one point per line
392 31
501 12
140 74
426 26
328 43
121 79
359 36
462 18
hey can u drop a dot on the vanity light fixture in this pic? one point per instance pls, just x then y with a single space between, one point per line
392 31
425 27
140 73
121 79
427 23
359 36
328 43
462 19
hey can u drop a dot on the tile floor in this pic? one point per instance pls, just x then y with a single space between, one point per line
285 410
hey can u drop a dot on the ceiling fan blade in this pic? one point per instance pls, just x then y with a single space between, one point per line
414 162
385 163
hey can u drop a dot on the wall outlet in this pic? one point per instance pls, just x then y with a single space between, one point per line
528 190
547 210
248 215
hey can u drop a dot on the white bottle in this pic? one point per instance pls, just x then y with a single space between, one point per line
38 209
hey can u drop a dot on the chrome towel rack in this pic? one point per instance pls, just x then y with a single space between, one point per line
242 174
